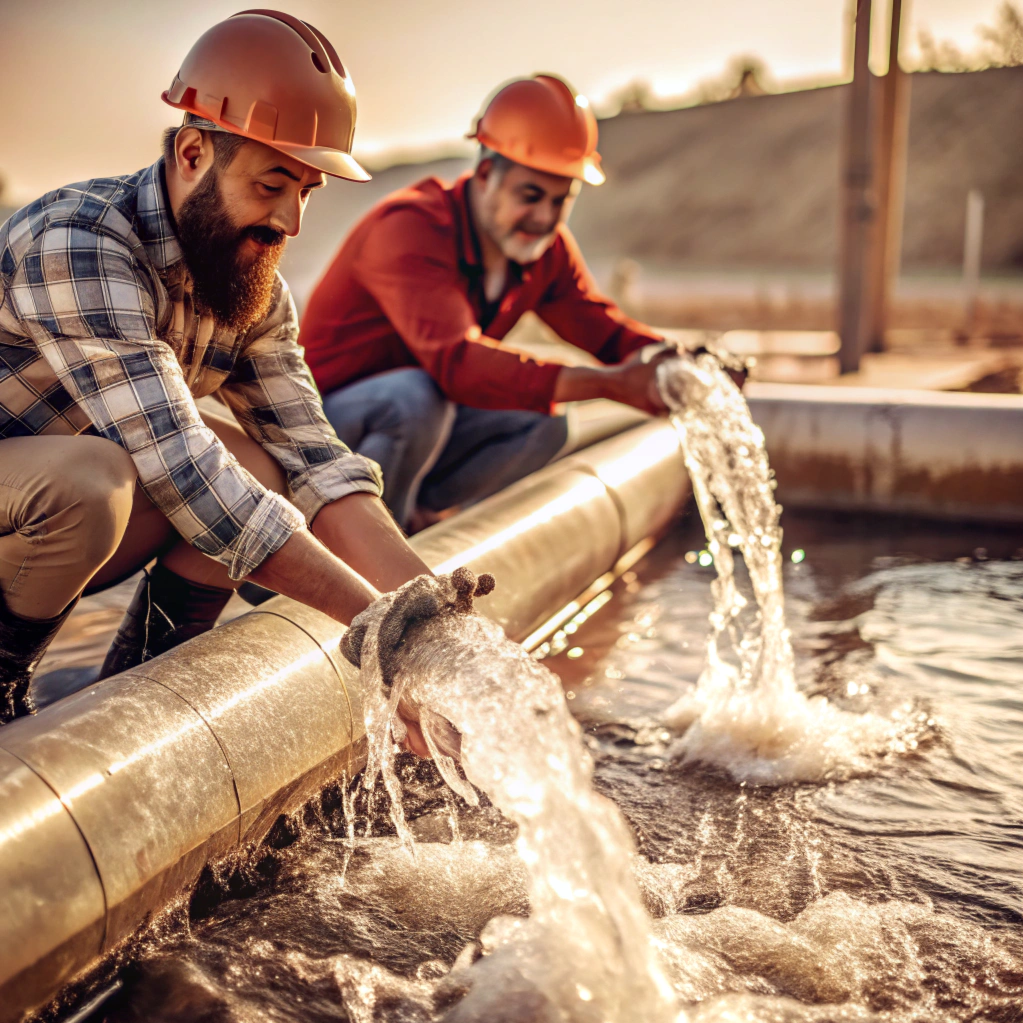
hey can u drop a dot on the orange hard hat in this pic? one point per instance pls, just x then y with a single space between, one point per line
272 78
541 122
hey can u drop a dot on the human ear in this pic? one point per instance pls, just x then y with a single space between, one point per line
483 169
191 154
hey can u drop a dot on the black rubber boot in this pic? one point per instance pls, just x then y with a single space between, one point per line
166 610
254 594
23 641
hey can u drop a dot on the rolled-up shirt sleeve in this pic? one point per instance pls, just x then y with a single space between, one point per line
272 394
408 266
88 305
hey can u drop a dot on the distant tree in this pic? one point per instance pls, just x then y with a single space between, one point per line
1001 46
632 98
744 76
1005 39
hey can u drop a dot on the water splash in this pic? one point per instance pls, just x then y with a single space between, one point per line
586 953
746 714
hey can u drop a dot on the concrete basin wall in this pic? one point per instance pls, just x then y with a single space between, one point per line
113 799
935 454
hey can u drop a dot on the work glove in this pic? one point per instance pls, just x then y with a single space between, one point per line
735 366
418 600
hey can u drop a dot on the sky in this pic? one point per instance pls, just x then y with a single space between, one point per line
82 80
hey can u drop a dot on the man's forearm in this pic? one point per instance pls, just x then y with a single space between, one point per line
361 532
580 383
352 554
306 571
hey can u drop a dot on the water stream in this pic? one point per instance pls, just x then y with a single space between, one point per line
747 713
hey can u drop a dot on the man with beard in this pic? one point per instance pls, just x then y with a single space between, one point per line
403 333
122 301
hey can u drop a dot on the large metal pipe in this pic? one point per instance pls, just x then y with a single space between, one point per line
929 453
113 799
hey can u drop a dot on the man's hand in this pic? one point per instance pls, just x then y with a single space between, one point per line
735 366
633 382
418 601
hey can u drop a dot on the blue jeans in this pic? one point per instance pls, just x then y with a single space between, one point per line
435 453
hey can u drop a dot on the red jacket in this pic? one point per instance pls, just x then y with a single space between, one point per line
406 289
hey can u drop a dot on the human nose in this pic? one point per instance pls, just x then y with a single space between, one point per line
544 218
287 215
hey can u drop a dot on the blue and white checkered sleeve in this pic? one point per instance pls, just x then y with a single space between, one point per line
272 394
89 307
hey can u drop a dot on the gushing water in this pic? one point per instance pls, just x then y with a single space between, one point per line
746 714
586 952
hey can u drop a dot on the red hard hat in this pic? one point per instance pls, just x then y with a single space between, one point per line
272 78
542 123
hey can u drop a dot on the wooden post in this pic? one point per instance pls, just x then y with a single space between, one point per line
856 284
891 181
972 243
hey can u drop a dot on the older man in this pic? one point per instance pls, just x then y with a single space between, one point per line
122 301
403 333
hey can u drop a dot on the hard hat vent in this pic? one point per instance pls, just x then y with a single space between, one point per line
318 64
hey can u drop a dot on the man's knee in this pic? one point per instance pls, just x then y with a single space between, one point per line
92 496
411 397
554 431
73 494
402 408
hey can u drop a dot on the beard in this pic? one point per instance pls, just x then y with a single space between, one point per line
236 292
523 251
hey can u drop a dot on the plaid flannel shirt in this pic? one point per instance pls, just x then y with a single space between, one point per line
98 334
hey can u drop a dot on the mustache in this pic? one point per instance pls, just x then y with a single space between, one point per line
264 235
537 231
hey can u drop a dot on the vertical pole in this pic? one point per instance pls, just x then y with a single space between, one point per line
972 243
891 181
855 283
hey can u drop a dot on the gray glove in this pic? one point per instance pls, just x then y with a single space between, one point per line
421 598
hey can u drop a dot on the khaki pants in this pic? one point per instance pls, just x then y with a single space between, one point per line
73 518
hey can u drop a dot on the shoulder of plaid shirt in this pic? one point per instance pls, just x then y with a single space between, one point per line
98 335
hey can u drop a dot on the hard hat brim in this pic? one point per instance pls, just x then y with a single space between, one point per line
329 161
592 174
334 162
586 168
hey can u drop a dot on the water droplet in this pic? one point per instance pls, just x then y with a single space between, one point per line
706 559
798 555
576 651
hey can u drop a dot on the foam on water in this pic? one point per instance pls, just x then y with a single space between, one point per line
746 714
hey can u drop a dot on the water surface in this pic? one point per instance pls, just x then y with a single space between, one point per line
893 892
